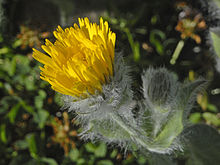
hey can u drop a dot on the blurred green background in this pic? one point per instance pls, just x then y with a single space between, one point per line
168 33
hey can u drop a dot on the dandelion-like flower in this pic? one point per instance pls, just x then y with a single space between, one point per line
81 64
81 59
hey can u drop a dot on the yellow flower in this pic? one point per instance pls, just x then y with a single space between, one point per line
81 60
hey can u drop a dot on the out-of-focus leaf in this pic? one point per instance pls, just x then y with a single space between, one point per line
90 147
40 117
211 118
74 154
13 112
28 108
1 84
8 87
81 161
202 143
101 150
1 38
23 160
57 99
135 46
156 38
21 144
39 100
202 100
212 108
128 160
31 162
114 153
23 64
10 66
154 19
105 162
195 117
29 83
141 160
6 101
4 50
32 145
3 136
11 70
49 161
17 43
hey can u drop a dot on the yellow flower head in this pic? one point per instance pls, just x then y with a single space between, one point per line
81 59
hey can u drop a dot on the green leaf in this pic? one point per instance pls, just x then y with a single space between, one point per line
203 145
156 38
135 46
195 117
74 154
58 100
31 162
81 161
29 83
169 133
211 118
40 117
8 87
212 108
10 66
98 150
39 100
17 43
13 113
11 70
49 161
3 136
90 147
27 108
4 50
101 150
23 159
141 160
32 145
21 144
1 38
42 94
114 153
105 162
23 64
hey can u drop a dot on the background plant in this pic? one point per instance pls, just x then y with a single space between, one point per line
29 108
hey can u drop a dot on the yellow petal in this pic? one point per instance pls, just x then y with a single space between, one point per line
81 59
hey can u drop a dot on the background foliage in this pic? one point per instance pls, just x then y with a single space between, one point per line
33 129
